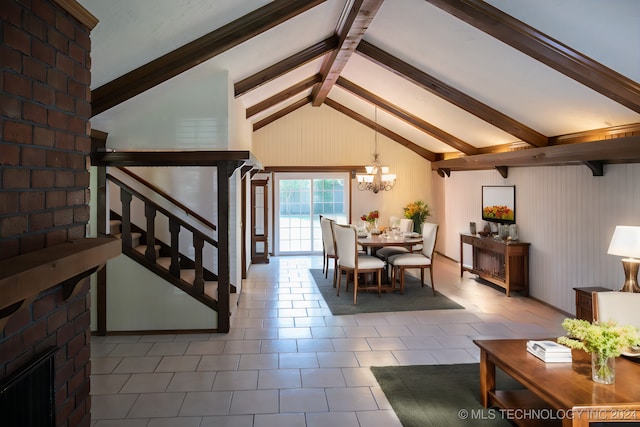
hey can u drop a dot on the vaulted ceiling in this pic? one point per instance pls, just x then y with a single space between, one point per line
465 84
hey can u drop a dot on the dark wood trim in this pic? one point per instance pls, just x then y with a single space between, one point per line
224 172
284 66
283 95
503 171
76 10
451 94
422 152
25 276
173 158
597 168
350 30
413 120
594 135
326 168
622 131
610 151
279 114
545 49
196 52
167 196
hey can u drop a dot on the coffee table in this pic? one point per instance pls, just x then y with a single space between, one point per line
565 390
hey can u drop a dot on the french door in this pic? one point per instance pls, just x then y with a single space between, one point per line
299 199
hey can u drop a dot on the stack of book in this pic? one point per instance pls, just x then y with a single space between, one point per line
549 351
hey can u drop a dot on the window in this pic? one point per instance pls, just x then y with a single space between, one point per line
301 198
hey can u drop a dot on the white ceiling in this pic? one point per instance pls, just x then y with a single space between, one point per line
130 33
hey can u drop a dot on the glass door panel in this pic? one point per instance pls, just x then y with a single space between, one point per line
301 198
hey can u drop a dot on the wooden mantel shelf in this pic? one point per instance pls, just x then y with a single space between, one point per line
23 277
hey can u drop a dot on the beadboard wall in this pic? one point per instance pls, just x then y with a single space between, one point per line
322 136
567 215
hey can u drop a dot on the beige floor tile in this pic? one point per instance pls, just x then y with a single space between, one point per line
191 381
152 405
147 383
254 402
303 400
287 361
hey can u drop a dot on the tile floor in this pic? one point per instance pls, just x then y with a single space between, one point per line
289 362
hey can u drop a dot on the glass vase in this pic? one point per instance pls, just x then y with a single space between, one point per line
603 369
417 225
372 226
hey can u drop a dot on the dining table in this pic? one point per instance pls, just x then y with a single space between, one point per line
372 242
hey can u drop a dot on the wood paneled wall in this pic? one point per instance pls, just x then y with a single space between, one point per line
566 214
321 136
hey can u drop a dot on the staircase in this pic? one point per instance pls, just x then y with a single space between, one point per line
163 263
141 244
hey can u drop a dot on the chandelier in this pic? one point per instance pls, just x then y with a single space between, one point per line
377 177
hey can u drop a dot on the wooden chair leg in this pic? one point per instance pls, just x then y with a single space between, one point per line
335 270
325 263
379 283
355 288
401 273
339 280
433 285
422 277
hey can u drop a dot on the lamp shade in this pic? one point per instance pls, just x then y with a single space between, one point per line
625 242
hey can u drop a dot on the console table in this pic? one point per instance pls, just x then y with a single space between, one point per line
502 262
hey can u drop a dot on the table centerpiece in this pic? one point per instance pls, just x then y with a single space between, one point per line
604 340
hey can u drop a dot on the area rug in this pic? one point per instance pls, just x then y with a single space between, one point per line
440 395
414 298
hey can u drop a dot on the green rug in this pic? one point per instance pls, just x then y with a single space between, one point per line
440 395
415 297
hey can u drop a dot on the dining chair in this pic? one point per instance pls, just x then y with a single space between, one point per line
328 247
354 263
423 260
405 226
621 307
394 220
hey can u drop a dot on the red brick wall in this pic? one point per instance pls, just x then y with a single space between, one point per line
44 144
45 109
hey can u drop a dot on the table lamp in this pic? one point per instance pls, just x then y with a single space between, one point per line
626 243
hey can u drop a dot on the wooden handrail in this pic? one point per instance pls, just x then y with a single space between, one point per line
158 190
166 212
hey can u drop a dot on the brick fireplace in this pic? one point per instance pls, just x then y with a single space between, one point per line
44 202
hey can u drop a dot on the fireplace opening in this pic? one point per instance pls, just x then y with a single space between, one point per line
27 396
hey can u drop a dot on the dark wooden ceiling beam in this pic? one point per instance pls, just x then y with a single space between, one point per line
283 95
422 152
617 150
286 65
354 22
206 47
545 49
272 118
632 129
451 94
413 120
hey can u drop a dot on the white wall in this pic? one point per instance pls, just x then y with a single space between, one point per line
212 121
566 213
159 121
139 300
